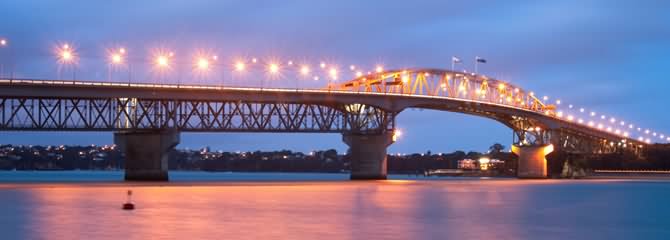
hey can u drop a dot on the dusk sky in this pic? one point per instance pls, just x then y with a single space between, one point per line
605 56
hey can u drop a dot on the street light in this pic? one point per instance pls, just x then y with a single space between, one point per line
304 70
202 64
396 134
115 59
379 69
3 44
162 61
333 73
273 68
66 55
240 66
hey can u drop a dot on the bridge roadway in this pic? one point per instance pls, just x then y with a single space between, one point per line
147 119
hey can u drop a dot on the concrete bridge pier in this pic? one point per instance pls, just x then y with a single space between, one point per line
146 153
368 155
532 162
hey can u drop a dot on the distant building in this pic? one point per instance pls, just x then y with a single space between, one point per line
468 164
482 164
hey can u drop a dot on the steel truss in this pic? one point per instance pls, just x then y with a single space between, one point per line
115 114
527 132
437 82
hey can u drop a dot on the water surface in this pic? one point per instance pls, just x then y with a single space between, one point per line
327 206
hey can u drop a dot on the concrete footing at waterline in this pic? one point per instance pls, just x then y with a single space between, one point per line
146 153
532 161
368 155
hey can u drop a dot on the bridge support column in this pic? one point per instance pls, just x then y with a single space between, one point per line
368 155
146 153
532 162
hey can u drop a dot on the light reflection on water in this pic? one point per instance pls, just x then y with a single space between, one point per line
397 209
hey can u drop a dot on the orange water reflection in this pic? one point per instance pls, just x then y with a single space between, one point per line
496 209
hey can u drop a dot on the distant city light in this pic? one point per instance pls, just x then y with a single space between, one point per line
379 69
484 163
3 42
352 67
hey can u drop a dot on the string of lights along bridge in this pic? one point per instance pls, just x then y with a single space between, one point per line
450 84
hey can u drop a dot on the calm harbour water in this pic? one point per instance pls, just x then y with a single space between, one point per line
198 205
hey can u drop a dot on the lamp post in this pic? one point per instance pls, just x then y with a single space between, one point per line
3 44
304 71
67 56
273 69
116 59
162 62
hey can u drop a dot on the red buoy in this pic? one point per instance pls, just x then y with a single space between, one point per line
128 205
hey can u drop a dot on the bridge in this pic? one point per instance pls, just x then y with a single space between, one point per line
147 118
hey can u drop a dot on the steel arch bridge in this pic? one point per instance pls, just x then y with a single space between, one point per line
533 121
363 109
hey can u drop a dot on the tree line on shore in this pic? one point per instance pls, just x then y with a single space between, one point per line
656 157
